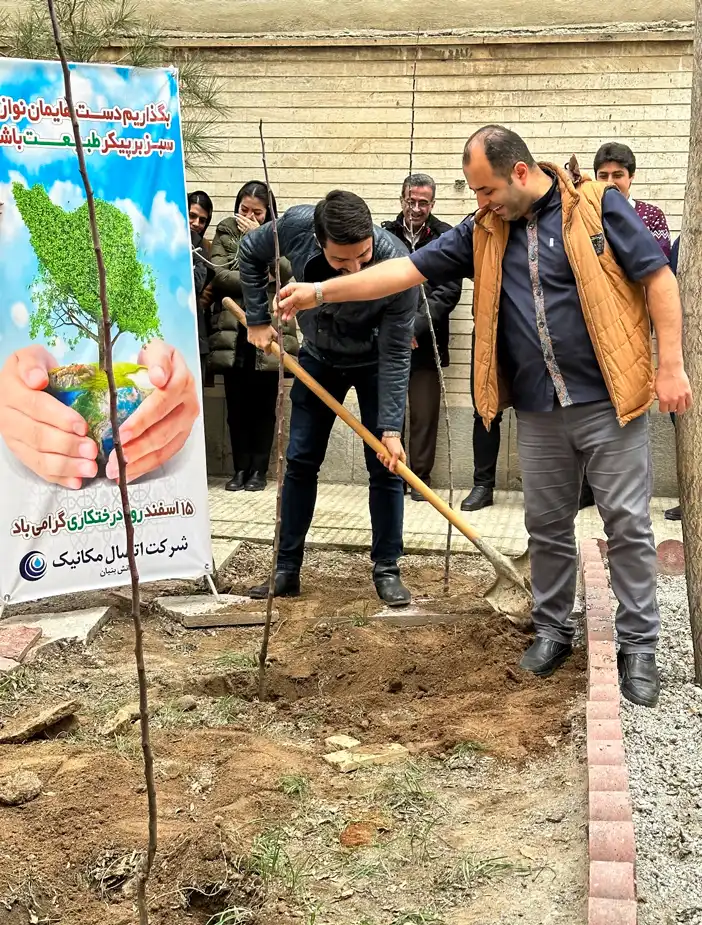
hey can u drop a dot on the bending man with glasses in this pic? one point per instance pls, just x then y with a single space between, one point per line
415 226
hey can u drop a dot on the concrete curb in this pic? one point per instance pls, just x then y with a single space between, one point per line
612 892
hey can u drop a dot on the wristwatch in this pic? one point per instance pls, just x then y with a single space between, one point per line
318 294
392 433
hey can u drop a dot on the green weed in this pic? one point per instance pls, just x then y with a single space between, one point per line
236 661
294 785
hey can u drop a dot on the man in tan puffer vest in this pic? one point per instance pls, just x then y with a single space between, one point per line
566 284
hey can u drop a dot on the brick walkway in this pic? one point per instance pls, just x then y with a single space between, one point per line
341 520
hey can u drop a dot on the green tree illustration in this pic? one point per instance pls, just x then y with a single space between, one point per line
65 294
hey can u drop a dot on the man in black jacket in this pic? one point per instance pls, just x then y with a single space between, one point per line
364 345
415 226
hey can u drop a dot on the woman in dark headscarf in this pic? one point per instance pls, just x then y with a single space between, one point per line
250 375
199 217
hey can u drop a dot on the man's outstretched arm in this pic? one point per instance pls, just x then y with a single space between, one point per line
376 282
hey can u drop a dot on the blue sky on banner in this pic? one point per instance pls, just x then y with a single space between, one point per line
151 190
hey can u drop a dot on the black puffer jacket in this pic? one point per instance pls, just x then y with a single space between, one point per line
228 343
344 334
442 299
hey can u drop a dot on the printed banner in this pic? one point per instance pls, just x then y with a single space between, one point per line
61 523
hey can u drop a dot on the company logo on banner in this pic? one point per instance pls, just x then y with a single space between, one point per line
61 522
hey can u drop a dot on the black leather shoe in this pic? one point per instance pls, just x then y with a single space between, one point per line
415 496
388 584
238 482
587 499
480 497
544 656
287 584
638 678
673 513
256 482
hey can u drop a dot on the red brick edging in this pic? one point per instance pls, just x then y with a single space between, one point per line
612 892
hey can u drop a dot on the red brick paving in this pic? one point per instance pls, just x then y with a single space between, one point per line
16 641
612 893
671 557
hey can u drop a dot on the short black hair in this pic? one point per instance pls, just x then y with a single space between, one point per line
257 189
343 218
200 198
503 149
418 179
619 153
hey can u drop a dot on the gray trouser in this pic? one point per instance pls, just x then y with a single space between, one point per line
554 448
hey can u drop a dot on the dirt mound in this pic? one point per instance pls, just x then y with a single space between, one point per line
433 687
70 855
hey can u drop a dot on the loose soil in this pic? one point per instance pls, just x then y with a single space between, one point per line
484 824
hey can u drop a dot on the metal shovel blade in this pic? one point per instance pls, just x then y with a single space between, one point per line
510 595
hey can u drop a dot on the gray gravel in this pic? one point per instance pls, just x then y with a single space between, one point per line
664 753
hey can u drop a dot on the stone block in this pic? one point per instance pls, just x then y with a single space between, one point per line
611 912
608 778
341 742
16 640
223 553
7 666
362 756
600 692
602 709
610 806
203 610
612 880
24 729
612 841
604 730
605 752
671 557
58 629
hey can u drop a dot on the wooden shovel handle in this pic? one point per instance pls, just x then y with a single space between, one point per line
413 480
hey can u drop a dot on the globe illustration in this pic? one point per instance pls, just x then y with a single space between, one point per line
83 387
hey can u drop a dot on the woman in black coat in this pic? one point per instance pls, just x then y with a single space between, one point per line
250 376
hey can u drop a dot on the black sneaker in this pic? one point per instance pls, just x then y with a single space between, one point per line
673 513
287 584
238 482
480 497
544 656
639 680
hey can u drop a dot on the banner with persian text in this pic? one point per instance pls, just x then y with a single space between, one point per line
61 522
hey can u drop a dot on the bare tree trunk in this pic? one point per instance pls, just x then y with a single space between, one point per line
435 346
102 359
106 350
689 425
280 422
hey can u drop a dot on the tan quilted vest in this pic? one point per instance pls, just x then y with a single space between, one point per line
613 307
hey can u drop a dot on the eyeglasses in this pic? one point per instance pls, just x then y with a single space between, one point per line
421 204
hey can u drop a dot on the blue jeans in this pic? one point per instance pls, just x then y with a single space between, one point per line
310 425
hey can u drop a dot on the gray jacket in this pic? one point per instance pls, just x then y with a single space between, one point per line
344 334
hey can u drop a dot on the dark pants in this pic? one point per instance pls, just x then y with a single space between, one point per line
554 448
486 448
424 406
310 425
251 397
486 443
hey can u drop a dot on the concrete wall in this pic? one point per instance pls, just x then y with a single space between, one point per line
340 116
280 16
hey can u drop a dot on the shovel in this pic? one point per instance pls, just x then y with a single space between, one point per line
510 595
